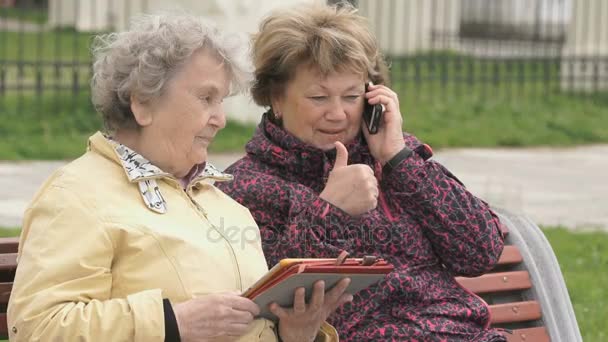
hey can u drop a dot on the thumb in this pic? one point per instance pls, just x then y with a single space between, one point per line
341 155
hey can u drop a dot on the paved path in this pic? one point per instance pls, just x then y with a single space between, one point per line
553 186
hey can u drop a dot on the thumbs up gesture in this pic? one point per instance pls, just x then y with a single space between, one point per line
352 188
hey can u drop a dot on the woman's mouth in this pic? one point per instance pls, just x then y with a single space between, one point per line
331 131
205 140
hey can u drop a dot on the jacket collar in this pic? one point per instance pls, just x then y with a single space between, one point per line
275 146
138 168
141 171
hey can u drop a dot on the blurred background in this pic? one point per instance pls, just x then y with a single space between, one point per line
469 72
515 92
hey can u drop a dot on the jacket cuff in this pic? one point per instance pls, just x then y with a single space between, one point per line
171 328
406 176
322 209
327 223
396 160
148 316
318 210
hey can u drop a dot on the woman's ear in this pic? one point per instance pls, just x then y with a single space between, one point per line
276 108
141 112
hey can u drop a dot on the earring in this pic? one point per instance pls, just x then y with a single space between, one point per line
274 116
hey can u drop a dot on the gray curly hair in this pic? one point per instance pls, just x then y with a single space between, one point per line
141 60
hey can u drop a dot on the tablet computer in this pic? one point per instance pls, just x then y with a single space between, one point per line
280 283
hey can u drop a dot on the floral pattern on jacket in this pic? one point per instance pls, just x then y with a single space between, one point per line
426 224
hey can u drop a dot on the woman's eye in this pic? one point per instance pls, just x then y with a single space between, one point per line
352 97
318 98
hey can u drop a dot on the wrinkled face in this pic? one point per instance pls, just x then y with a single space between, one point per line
321 109
190 112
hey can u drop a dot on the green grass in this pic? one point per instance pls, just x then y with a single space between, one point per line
472 120
583 258
53 133
31 15
54 45
9 231
56 126
58 132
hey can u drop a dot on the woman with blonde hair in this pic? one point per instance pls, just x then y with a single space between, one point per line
318 182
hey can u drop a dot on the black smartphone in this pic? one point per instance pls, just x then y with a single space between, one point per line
372 115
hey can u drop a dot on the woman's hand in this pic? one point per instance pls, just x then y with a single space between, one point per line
214 315
302 322
352 188
385 144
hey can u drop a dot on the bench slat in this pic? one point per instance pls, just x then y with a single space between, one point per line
510 255
497 282
537 334
3 326
5 292
9 245
515 312
8 262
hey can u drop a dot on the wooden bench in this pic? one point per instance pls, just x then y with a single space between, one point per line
8 265
502 289
526 291
516 305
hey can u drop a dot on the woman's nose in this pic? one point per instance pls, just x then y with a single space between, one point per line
336 110
218 118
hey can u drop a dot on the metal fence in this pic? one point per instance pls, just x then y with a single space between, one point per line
438 48
529 48
45 61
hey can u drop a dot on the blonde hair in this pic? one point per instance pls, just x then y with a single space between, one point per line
330 38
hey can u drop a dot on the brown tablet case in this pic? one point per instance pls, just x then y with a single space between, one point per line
280 283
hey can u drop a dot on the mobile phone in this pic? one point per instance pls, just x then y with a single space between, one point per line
372 114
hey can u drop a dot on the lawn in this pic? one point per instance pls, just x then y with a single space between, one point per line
46 45
583 257
58 133
30 15
56 124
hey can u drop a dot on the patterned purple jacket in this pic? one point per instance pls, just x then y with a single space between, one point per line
426 224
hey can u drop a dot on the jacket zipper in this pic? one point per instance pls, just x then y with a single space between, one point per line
202 211
381 198
385 207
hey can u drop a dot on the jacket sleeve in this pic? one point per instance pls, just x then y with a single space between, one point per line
293 220
63 284
464 231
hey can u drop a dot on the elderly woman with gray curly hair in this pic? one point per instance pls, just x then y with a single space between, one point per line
126 242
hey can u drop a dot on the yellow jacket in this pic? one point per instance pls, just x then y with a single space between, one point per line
108 236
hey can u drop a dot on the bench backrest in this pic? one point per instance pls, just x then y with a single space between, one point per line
504 289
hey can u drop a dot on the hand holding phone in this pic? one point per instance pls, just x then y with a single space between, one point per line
383 143
372 114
